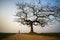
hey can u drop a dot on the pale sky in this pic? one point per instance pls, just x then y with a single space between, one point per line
8 9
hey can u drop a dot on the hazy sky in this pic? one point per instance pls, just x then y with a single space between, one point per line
8 9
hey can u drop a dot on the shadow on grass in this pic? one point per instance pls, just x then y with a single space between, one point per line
45 34
5 35
48 34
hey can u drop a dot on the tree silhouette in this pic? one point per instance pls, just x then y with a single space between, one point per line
31 14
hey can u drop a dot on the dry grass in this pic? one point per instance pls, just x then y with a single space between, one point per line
30 37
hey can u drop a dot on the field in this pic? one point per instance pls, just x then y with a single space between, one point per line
41 36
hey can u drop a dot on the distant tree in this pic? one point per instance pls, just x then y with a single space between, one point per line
31 14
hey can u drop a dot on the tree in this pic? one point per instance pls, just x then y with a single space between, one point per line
31 14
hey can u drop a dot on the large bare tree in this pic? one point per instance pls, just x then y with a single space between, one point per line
31 14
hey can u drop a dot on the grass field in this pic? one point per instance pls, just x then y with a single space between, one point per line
41 36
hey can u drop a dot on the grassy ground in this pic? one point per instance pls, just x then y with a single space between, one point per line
42 36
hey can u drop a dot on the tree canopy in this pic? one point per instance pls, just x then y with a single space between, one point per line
31 14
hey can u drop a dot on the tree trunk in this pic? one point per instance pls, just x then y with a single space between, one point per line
31 24
31 28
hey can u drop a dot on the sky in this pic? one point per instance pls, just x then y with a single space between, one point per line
8 9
